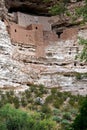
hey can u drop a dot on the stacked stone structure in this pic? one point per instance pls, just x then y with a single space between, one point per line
36 31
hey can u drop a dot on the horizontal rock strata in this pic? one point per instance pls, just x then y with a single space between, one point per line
19 67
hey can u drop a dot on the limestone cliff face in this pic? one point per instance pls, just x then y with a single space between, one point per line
39 7
10 70
19 67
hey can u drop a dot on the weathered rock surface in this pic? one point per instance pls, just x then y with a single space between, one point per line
18 68
32 6
41 7
10 74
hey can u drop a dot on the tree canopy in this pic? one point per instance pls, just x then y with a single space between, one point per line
80 123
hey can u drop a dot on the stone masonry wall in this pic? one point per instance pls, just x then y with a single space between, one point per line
25 20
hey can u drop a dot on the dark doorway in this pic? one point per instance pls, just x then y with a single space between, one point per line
59 34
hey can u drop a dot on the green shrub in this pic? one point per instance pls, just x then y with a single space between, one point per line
27 94
30 100
16 102
74 111
59 94
58 102
23 102
15 119
65 124
33 88
56 111
53 91
57 119
45 109
80 100
67 116
57 9
71 102
49 99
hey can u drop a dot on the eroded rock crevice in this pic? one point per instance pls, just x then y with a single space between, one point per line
29 7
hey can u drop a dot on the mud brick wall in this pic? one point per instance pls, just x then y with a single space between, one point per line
69 33
50 36
21 35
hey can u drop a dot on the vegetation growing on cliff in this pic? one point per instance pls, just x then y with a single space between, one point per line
60 7
41 105
82 11
83 55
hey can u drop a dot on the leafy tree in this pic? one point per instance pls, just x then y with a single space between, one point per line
80 123
15 119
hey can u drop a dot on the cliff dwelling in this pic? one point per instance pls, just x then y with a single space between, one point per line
36 31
